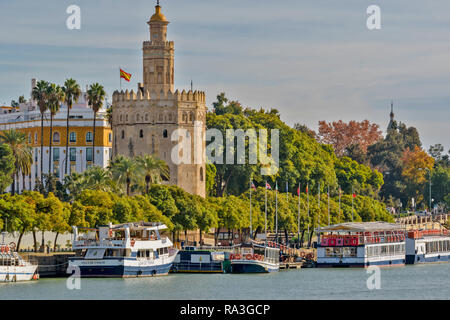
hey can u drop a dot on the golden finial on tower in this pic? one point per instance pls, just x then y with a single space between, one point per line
158 16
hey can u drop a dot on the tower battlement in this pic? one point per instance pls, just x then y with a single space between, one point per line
183 96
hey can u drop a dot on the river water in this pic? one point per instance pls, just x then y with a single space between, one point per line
410 282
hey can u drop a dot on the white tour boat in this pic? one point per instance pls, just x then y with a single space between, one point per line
361 244
127 250
254 258
13 267
427 246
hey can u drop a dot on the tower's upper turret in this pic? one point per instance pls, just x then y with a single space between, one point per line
158 16
158 55
158 25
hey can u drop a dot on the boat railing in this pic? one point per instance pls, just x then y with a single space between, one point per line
99 243
215 248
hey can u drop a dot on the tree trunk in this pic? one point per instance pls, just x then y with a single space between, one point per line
301 239
128 187
43 242
20 240
93 140
286 240
34 239
185 237
13 185
67 142
23 182
200 242
56 239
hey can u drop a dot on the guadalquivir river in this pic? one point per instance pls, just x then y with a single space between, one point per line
410 282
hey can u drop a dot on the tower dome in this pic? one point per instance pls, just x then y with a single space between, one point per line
158 16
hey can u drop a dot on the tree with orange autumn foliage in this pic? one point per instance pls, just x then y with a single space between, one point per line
343 135
417 166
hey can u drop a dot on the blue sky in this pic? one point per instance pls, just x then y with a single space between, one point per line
312 60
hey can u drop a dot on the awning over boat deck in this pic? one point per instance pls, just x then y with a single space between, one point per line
361 227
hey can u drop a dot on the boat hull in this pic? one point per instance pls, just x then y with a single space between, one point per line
17 273
428 258
252 266
120 268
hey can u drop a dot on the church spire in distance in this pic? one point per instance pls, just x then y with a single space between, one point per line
391 125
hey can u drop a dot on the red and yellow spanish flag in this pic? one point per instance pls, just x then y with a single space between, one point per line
126 76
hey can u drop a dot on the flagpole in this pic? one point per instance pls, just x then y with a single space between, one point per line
298 218
352 202
328 196
120 77
265 213
276 211
307 200
251 231
339 215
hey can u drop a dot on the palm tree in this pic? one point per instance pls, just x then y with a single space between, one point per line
152 169
123 170
98 178
72 91
25 160
56 97
17 141
40 95
96 95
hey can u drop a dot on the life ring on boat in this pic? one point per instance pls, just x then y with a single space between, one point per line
232 256
3 249
309 256
237 256
35 276
7 249
302 254
249 256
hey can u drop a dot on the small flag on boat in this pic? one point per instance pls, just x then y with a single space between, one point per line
253 185
125 75
268 186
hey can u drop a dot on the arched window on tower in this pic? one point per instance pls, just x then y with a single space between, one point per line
191 117
141 133
138 118
201 174
165 133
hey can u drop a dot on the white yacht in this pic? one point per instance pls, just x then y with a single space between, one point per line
13 267
126 250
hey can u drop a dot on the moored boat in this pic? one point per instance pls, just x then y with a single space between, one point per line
195 260
254 258
427 246
126 250
361 244
13 267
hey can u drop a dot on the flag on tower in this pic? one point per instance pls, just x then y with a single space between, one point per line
268 186
125 75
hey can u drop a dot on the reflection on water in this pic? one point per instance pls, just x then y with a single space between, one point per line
411 282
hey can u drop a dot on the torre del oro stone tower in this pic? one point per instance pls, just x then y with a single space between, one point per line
143 121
